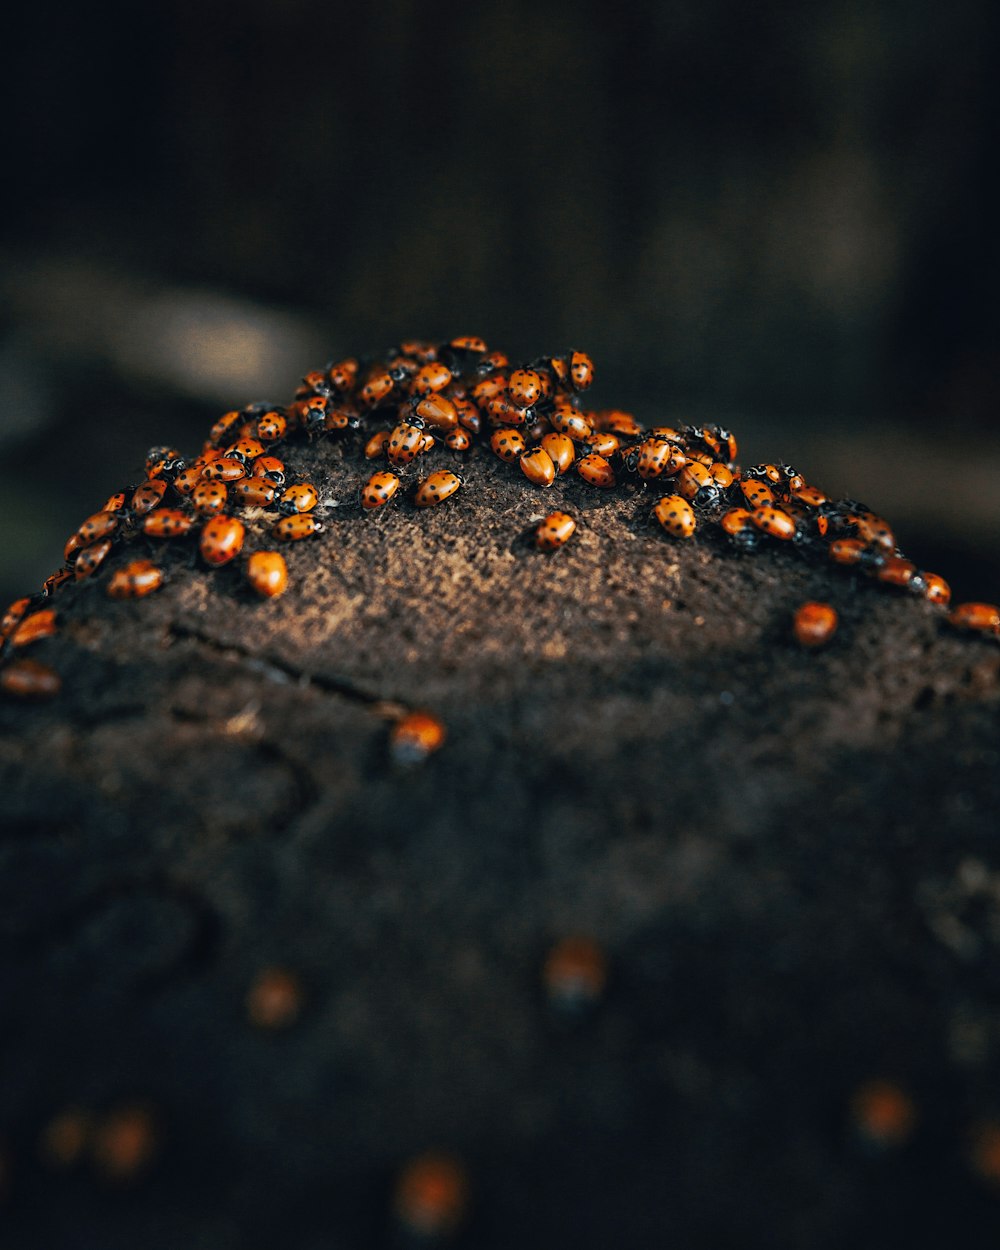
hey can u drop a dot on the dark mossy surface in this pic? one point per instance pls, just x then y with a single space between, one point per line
790 858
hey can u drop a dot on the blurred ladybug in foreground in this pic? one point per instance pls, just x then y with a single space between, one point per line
575 973
416 736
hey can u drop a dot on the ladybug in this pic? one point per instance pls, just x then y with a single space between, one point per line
491 362
135 580
14 615
738 524
271 468
433 376
565 419
721 475
469 416
695 483
342 375
612 421
895 571
555 531
274 1000
509 445
458 440
34 627
438 411
604 444
936 589
377 388
882 1115
223 427
272 426
267 574
436 488
157 456
147 497
209 498
873 529
575 973
301 498
309 414
561 450
501 411
489 388
167 523
757 494
675 515
415 736
376 445
186 481
596 471
27 679
90 559
314 383
426 353
225 469
654 458
300 525
245 449
469 343
847 550
525 388
405 443
100 525
809 495
814 624
337 419
537 467
221 540
982 618
255 492
764 473
116 502
378 490
774 522
667 432
430 1199
581 370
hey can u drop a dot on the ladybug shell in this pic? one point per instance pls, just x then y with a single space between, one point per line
267 573
300 498
254 492
774 522
405 443
34 627
415 736
438 411
814 624
209 497
561 450
537 467
555 531
436 488
221 539
525 388
596 471
296 527
378 490
167 523
675 515
225 469
27 679
376 445
429 378
509 445
981 617
135 580
90 559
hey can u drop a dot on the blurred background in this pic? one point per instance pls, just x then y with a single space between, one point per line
777 216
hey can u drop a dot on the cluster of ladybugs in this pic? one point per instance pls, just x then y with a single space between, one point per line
456 395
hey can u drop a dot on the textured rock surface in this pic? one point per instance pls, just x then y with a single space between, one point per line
790 859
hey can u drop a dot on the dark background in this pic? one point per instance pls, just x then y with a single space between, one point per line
779 216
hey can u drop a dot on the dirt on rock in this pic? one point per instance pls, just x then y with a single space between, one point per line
789 858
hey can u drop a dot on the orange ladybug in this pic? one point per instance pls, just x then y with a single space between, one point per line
135 580
757 494
524 387
378 490
34 627
376 445
267 574
415 736
581 370
209 498
537 467
509 445
814 624
675 515
221 540
438 411
555 531
983 618
774 522
436 488
566 420
596 471
300 498
561 450
405 443
458 440
936 589
430 377
377 388
167 523
254 492
27 679
90 559
299 525
272 426
225 469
